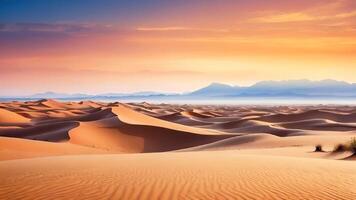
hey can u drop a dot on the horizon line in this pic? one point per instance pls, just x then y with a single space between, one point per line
172 92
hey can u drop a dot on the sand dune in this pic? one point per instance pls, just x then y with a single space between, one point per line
151 136
178 118
247 125
319 124
130 116
311 114
8 117
15 148
172 117
91 104
211 175
52 104
47 150
46 132
194 114
90 116
265 140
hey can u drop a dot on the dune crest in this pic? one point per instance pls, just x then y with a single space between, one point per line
130 116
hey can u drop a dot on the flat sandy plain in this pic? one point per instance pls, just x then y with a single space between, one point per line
95 150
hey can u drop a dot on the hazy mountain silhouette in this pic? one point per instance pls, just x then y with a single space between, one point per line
288 88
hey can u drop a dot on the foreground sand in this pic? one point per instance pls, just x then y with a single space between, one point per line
194 175
93 150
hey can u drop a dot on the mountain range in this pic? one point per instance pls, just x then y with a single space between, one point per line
289 88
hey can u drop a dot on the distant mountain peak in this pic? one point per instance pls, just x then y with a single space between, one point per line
215 89
216 84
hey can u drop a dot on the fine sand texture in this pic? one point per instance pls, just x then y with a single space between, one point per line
96 150
199 175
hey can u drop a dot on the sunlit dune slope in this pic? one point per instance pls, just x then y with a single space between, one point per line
8 117
15 148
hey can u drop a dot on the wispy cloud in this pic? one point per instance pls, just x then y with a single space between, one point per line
54 27
179 28
288 17
301 16
168 28
34 35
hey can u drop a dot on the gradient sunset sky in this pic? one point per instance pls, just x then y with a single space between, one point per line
103 46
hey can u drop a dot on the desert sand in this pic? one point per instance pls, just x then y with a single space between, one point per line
97 150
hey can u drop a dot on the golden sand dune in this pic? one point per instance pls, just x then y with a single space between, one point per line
47 150
8 117
194 114
201 175
311 114
253 126
130 136
130 116
98 114
319 124
47 132
177 117
52 104
265 140
90 104
15 148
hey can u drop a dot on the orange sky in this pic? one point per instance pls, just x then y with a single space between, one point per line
181 48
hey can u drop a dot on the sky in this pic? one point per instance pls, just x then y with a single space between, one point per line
88 46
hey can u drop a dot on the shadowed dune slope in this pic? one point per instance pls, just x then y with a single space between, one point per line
47 132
